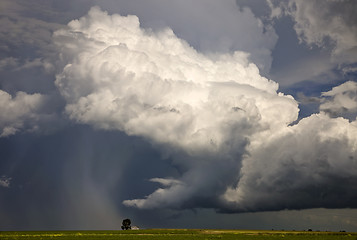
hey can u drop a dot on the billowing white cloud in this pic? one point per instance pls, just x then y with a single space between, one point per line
123 77
19 112
216 117
153 84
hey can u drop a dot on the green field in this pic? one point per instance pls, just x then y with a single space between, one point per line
177 234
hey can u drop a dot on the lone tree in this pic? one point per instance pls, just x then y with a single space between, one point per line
126 224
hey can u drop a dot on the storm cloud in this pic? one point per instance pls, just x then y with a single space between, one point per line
174 113
216 117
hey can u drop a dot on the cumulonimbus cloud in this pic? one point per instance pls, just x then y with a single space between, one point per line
217 117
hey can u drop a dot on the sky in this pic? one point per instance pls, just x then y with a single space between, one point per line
178 114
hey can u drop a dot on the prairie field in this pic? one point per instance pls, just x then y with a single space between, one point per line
176 234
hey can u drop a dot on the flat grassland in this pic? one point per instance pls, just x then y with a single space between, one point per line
177 234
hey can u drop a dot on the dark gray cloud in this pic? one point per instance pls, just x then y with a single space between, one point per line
73 179
316 172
